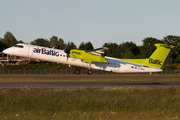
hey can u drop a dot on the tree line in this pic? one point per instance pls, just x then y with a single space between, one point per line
125 50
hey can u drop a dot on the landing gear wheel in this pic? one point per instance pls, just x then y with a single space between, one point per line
77 71
89 72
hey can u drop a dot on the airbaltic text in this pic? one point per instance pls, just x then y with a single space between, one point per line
47 52
158 62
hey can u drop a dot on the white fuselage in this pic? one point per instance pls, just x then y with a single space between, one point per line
59 56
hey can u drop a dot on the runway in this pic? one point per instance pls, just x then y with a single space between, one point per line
88 84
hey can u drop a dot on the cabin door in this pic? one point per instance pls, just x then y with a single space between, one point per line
30 51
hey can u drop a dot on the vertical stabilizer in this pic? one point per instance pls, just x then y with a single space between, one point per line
158 56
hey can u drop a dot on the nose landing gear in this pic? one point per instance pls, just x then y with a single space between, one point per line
77 71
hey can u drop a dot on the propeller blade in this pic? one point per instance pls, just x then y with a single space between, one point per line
68 49
67 57
57 46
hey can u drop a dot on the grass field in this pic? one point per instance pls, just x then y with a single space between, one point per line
101 77
122 103
119 103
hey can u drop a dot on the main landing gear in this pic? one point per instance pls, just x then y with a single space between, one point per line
89 72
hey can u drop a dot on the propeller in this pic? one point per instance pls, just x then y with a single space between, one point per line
68 49
57 45
105 48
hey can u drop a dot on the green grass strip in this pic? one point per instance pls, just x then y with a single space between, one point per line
124 103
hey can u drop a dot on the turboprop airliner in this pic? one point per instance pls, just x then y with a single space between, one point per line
93 59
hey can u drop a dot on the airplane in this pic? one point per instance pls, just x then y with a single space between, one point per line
93 59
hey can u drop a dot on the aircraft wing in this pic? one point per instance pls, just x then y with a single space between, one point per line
98 51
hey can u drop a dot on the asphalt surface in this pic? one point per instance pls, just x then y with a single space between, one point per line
88 84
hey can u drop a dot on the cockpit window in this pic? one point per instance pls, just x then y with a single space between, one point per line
19 46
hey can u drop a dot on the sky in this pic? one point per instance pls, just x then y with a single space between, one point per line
95 21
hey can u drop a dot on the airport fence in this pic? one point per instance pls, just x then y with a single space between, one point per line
176 71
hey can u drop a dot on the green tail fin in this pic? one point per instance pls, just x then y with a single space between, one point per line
158 56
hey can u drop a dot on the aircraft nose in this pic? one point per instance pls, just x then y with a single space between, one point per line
7 51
